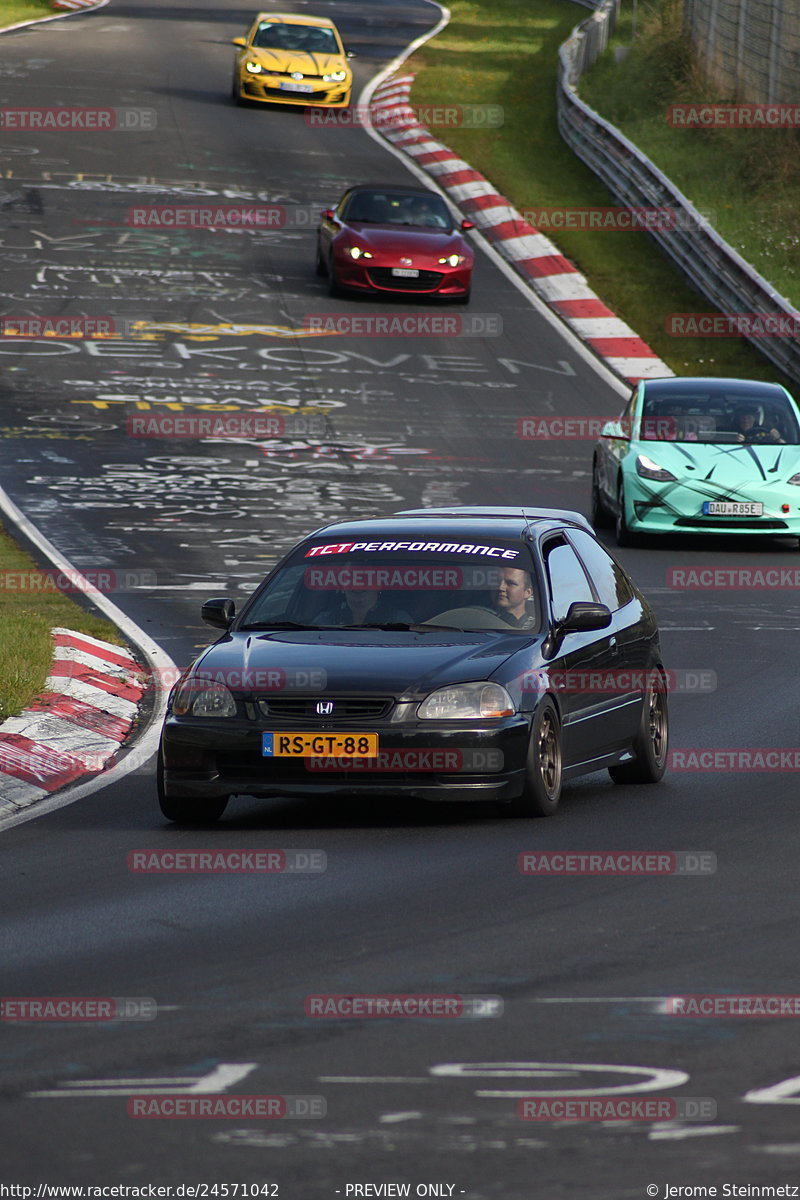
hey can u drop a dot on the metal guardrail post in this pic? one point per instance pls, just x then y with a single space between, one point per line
710 264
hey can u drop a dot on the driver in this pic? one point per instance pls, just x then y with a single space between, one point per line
362 606
512 598
748 429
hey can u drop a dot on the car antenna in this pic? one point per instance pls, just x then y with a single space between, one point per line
528 534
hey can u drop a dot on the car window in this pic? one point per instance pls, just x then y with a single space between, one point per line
384 207
567 579
626 420
716 416
608 577
486 586
308 39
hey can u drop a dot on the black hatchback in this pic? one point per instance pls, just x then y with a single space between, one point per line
443 654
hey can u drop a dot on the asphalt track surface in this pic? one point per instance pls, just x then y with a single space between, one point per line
415 899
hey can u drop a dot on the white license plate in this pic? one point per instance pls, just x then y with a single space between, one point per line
405 273
296 87
732 508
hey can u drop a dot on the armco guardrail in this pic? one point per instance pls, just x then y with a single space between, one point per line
706 259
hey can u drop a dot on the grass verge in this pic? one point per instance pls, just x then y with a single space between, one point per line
750 178
505 52
26 618
14 11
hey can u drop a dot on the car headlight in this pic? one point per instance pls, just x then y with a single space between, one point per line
357 252
335 77
467 702
203 698
452 260
254 68
651 470
795 480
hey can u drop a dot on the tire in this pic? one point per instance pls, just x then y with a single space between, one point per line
624 535
542 791
333 284
599 515
651 742
185 811
236 95
321 265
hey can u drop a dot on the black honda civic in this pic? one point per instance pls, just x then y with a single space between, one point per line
442 654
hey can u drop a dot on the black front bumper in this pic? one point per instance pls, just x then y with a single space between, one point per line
205 759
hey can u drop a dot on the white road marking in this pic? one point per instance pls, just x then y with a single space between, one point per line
371 1079
218 1080
394 1118
659 1079
677 1135
787 1092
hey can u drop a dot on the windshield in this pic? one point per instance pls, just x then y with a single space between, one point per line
397 208
402 584
718 417
307 39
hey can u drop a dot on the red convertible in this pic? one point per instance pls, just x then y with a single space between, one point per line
395 239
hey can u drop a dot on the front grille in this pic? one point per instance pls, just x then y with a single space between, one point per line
345 708
284 95
711 523
382 277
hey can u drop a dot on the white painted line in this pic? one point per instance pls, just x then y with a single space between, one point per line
679 1135
659 1078
215 1081
372 1079
787 1092
396 1118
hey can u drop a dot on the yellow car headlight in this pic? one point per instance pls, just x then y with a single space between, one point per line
357 252
335 77
451 260
254 68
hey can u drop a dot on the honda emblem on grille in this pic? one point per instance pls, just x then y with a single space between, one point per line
324 708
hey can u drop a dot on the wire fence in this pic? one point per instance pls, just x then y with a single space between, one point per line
749 49
706 259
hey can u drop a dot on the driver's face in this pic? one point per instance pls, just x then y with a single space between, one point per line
746 421
513 589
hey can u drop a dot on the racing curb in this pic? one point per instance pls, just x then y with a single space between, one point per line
76 726
74 7
532 255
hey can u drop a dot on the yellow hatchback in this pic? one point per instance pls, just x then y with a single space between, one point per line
292 59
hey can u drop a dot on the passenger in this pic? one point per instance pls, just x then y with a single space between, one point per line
512 598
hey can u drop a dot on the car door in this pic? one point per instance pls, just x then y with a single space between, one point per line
613 447
580 661
633 641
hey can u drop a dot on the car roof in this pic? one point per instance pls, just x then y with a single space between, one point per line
686 385
478 521
293 19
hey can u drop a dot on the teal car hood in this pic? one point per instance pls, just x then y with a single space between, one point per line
725 465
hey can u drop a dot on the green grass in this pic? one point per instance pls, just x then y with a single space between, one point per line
750 178
506 52
12 11
26 618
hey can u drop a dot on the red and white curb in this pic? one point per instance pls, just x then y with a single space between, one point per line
72 4
532 255
76 726
70 10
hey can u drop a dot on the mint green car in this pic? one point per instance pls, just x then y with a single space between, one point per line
704 456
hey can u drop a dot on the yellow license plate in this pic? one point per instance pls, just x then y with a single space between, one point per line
319 745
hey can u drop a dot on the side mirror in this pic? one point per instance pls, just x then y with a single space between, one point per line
327 213
240 41
467 224
350 54
584 616
219 612
613 429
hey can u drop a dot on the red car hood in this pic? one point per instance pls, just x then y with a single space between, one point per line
391 239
